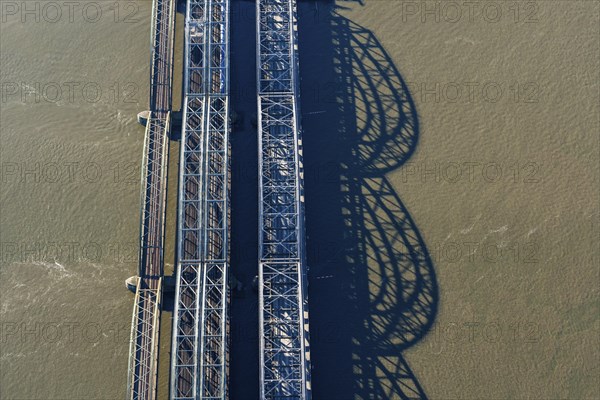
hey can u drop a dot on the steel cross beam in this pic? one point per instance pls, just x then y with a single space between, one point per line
200 329
145 323
283 311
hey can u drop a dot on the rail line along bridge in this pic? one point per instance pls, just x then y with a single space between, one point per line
200 322
283 311
143 351
199 354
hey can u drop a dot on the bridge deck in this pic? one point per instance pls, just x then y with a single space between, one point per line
283 315
199 347
143 354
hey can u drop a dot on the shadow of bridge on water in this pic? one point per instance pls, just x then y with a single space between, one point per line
372 286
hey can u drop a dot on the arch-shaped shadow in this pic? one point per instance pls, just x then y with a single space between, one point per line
373 291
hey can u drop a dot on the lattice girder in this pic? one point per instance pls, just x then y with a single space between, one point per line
199 356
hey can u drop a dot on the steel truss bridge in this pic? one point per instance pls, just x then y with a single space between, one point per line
199 354
283 311
143 350
200 322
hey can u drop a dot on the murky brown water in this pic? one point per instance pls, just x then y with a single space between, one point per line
502 186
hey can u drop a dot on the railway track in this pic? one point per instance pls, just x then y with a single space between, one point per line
145 326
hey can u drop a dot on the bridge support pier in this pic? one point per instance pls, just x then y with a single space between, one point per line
168 284
176 117
142 117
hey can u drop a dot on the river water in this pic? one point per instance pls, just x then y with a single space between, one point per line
470 132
